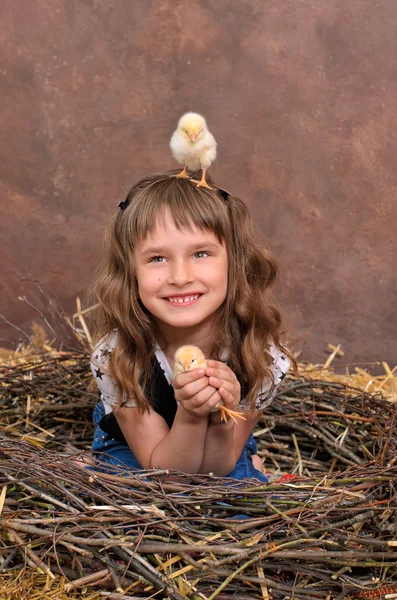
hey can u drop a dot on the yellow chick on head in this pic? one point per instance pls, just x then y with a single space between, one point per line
193 145
188 358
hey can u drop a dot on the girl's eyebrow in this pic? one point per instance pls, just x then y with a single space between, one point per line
191 248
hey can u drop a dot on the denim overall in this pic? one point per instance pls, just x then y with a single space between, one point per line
110 451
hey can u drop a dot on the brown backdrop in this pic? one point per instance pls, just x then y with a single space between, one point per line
301 97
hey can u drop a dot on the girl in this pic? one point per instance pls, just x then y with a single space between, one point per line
182 266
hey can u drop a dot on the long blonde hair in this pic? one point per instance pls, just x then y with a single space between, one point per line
249 319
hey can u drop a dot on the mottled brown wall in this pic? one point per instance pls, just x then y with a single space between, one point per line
300 95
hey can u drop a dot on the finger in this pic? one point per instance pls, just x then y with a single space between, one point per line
228 397
221 372
221 375
217 383
217 364
233 388
204 396
186 377
192 389
207 406
214 399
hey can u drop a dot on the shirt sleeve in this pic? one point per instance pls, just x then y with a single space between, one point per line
269 389
100 369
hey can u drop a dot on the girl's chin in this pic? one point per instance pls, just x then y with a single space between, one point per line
181 319
182 322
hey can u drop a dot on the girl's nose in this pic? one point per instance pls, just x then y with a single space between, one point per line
180 273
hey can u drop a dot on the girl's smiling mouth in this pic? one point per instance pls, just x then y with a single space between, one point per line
183 299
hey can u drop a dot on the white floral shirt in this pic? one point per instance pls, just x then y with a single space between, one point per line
107 386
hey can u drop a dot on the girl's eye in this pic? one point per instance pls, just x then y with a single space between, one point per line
157 259
201 254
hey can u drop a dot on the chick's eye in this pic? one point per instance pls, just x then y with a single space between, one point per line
193 360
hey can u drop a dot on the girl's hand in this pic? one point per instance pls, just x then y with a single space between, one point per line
194 393
225 381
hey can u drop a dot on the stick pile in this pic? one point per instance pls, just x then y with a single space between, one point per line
329 532
313 538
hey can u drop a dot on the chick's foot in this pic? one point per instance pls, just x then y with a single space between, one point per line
183 173
202 182
227 412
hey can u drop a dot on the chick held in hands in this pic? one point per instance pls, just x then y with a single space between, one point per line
193 145
188 358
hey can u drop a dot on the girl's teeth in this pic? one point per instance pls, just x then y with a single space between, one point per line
181 300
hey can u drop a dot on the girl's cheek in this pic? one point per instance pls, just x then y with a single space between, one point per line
157 280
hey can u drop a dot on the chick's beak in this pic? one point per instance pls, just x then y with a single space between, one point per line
193 137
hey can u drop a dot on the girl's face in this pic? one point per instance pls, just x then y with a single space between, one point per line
181 274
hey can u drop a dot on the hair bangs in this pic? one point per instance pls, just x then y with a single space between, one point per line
190 206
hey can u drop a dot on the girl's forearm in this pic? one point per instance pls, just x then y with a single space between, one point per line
219 453
182 449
